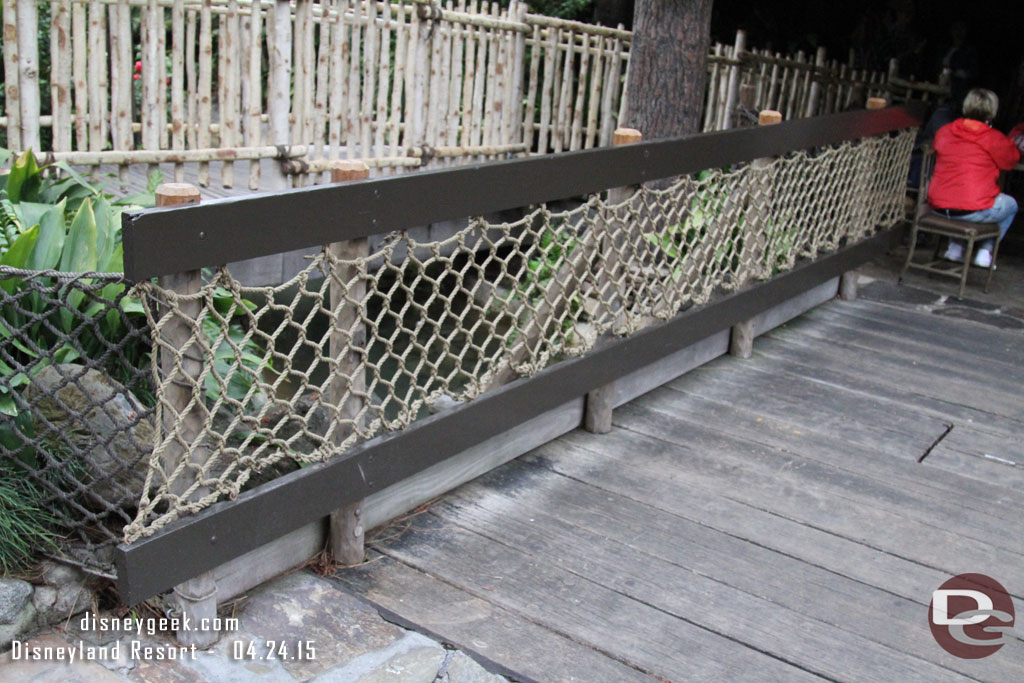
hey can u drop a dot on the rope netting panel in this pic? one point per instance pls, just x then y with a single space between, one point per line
76 406
255 382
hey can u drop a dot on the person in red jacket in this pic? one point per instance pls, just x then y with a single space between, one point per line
969 154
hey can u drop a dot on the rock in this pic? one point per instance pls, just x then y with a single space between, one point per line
419 665
444 403
57 574
57 604
14 595
462 669
23 623
100 417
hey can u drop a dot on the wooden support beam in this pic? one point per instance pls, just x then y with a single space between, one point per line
348 294
848 286
598 413
197 597
741 338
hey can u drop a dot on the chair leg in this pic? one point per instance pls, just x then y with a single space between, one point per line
968 254
992 266
910 253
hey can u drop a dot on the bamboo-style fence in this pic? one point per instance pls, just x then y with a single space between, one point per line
742 82
398 85
395 84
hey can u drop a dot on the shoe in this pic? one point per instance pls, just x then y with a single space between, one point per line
954 252
983 259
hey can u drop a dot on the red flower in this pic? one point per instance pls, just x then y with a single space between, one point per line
136 77
138 66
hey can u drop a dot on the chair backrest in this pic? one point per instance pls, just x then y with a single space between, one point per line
927 168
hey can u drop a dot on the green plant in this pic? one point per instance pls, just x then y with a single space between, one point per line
678 240
25 526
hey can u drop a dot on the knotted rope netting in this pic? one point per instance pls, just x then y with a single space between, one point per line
270 379
132 406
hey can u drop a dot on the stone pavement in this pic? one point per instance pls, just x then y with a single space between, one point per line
298 627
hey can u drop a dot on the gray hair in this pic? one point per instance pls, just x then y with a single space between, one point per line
981 104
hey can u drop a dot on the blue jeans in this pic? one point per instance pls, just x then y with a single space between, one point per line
1001 212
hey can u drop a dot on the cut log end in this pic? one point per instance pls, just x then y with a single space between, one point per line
344 170
769 117
626 136
176 194
876 103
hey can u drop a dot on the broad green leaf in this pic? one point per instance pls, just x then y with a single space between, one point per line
66 354
115 264
17 343
76 176
24 179
141 200
113 317
16 380
7 404
52 231
80 248
31 213
105 231
53 192
18 255
132 305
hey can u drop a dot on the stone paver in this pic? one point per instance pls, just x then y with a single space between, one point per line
298 627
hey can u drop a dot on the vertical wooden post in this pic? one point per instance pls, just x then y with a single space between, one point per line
28 72
421 64
817 75
60 74
741 340
11 90
348 292
848 286
732 93
197 597
597 417
863 190
279 96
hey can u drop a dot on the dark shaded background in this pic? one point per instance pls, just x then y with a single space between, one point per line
872 28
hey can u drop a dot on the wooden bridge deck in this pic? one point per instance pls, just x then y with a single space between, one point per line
762 519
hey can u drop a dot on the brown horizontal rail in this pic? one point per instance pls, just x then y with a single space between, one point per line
229 529
173 240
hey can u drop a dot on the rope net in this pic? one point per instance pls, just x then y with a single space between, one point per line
76 407
123 408
255 382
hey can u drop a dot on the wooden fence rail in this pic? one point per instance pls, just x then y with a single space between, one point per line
212 80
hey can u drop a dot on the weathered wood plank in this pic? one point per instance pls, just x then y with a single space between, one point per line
668 647
816 489
999 384
981 468
817 408
664 489
567 522
1002 347
480 627
444 476
833 449
886 379
654 375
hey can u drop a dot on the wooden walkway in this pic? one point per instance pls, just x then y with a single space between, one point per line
763 519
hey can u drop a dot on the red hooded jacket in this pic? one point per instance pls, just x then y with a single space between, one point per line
968 157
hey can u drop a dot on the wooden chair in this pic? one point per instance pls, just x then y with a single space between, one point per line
928 222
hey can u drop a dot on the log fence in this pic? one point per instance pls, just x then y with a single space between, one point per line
230 81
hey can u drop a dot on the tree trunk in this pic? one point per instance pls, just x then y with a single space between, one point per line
668 66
